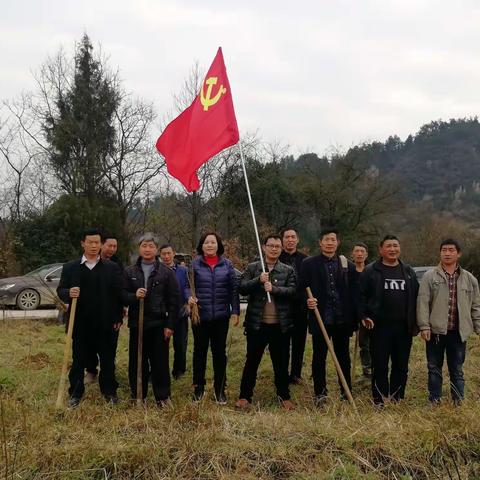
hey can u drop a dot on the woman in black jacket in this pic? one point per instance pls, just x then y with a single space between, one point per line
217 298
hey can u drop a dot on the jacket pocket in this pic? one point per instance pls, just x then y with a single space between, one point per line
157 304
437 284
465 293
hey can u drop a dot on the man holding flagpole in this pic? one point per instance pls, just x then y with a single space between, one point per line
268 323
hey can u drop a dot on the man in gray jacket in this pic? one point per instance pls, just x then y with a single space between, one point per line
448 311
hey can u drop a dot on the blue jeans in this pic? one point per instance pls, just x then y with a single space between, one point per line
452 345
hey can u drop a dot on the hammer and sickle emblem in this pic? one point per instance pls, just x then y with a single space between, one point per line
207 100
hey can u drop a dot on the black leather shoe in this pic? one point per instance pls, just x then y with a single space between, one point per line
164 403
111 399
177 375
220 398
294 380
198 393
73 402
320 400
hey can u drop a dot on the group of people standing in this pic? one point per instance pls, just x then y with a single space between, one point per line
382 300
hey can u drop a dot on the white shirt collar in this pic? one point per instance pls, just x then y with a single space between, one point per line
89 263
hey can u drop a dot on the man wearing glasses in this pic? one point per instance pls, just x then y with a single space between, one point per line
268 323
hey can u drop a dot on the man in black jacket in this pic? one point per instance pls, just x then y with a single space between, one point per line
298 335
359 257
268 323
108 251
333 280
157 285
387 308
97 285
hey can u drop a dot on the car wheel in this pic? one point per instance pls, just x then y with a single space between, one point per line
28 299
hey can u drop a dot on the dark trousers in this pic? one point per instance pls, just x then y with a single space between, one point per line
92 360
214 334
450 344
154 363
364 344
389 344
103 343
297 340
257 341
340 336
180 338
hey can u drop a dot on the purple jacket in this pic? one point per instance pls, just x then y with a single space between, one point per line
216 290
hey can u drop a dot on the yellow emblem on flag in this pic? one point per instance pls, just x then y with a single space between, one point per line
207 100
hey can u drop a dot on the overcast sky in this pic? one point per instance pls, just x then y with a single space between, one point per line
311 74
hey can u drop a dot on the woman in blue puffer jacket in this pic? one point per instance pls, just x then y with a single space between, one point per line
217 299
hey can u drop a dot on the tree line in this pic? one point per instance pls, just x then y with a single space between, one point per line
78 151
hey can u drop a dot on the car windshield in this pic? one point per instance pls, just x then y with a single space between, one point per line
41 272
420 271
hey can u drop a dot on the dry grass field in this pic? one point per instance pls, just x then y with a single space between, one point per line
206 441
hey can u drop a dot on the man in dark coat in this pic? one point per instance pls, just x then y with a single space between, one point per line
108 251
387 308
359 257
180 335
97 285
268 323
333 280
298 335
153 281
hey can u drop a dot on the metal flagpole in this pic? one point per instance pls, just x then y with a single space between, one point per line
253 213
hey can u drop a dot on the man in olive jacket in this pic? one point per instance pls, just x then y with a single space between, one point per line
448 311
157 285
268 323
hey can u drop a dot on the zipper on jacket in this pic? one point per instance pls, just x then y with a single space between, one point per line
212 270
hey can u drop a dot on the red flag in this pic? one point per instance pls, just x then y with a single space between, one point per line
205 128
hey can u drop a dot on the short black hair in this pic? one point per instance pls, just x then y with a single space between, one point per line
90 232
166 245
451 241
221 248
276 236
327 231
109 236
360 244
389 237
286 229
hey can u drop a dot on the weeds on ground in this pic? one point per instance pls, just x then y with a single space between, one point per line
411 440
